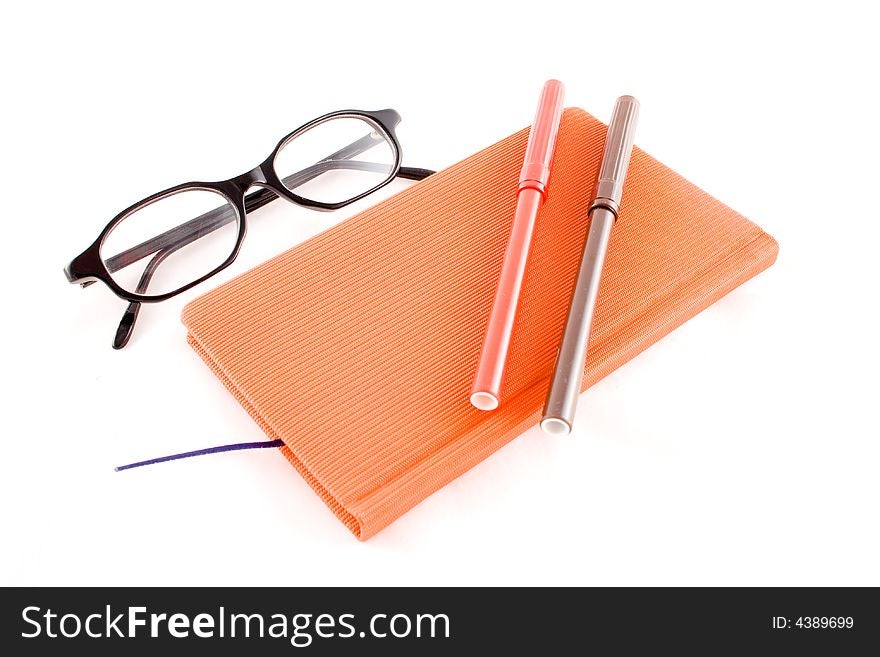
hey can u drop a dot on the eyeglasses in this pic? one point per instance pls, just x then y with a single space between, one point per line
177 238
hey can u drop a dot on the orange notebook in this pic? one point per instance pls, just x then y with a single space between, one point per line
357 348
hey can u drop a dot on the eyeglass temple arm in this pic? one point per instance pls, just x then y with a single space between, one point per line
219 217
252 202
129 317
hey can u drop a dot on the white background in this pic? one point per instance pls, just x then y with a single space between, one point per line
742 449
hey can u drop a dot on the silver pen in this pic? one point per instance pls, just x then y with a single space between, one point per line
568 372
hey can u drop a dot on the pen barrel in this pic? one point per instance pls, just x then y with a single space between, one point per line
486 390
535 172
534 175
618 148
568 371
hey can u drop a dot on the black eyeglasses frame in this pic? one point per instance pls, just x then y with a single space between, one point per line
90 267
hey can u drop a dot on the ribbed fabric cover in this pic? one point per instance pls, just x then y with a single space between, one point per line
357 348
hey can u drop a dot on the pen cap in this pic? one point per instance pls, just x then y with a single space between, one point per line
542 138
618 148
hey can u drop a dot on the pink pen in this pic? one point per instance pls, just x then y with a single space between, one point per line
486 392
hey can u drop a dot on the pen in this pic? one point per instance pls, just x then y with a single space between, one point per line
568 372
486 390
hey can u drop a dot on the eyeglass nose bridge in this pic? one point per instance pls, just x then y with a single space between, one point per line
256 176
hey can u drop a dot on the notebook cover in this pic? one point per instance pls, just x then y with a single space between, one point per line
357 348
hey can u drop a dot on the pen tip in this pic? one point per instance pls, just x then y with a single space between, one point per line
484 401
555 427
